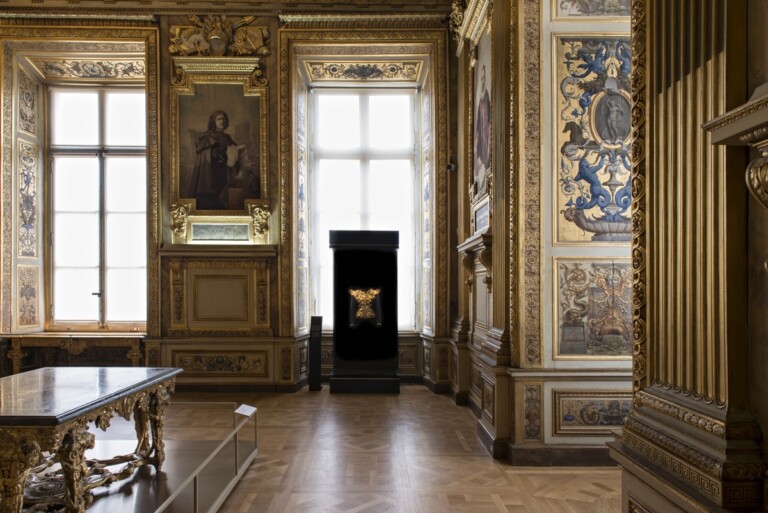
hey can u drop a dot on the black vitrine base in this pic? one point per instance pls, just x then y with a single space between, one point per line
365 312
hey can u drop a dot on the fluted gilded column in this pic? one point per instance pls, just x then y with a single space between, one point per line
690 442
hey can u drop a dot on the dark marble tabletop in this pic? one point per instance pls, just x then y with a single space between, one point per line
54 395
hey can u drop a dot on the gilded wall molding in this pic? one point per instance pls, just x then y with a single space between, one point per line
747 125
65 9
638 152
670 409
408 71
721 470
358 21
531 184
741 113
476 19
107 67
224 66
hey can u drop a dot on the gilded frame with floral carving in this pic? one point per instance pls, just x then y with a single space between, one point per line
219 139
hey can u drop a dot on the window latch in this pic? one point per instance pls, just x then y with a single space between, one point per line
96 294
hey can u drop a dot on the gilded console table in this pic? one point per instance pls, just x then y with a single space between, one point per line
48 410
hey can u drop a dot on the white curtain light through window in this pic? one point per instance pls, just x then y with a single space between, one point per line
99 201
363 177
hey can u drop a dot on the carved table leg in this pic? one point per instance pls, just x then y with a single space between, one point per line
17 455
141 423
71 455
157 403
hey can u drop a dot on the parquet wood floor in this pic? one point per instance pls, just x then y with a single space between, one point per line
416 452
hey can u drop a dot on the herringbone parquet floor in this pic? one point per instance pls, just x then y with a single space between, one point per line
416 452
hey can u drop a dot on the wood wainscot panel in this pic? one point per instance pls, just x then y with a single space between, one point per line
34 351
218 362
229 297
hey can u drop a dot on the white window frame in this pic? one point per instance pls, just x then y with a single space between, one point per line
102 151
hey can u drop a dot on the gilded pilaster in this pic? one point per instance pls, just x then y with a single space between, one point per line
690 421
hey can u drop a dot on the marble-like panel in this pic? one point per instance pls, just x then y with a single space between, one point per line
220 232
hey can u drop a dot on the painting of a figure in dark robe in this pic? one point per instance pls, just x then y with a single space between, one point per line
482 122
221 147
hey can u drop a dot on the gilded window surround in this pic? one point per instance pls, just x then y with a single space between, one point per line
298 44
70 38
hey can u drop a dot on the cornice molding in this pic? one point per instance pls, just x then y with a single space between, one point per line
97 8
368 20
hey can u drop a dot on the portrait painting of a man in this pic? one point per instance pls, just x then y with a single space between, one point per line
482 113
220 142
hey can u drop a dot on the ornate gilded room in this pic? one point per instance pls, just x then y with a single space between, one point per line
527 233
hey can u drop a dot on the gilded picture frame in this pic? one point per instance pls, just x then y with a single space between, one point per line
473 31
219 139
591 10
592 308
482 127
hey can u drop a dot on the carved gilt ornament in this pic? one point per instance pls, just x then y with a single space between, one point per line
121 68
217 36
260 217
363 71
475 19
179 213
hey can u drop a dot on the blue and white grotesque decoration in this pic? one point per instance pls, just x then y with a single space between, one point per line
594 125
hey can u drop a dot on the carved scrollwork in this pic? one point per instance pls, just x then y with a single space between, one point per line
260 217
456 19
757 179
485 258
22 453
364 71
217 35
179 213
468 261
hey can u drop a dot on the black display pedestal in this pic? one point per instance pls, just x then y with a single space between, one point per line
365 311
315 352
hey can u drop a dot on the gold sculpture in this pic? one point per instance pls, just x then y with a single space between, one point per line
364 299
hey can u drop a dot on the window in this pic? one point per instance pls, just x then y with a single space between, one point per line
98 194
363 177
